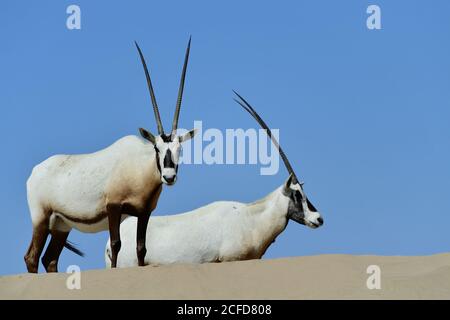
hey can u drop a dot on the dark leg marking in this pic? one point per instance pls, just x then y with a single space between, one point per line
40 234
141 233
114 217
54 249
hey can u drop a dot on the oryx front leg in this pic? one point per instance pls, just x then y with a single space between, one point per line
114 217
141 236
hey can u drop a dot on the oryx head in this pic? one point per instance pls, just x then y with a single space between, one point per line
167 146
300 209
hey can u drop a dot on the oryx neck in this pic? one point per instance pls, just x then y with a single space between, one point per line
274 204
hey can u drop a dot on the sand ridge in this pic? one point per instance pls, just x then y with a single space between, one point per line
312 277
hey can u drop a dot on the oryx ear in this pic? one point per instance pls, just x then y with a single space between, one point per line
287 184
147 135
188 135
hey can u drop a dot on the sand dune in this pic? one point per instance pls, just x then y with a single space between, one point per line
315 277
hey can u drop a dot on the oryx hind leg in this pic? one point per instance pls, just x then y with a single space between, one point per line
59 231
40 234
54 249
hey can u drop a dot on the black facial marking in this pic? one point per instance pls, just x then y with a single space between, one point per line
310 206
295 208
295 213
166 138
298 197
157 159
168 162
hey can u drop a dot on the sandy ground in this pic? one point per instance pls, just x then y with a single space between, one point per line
316 277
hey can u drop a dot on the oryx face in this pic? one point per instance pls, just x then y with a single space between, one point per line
168 149
168 154
167 146
300 209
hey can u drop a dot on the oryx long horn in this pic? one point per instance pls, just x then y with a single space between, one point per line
152 93
244 104
181 89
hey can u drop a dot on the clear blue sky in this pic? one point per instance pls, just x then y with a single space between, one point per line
364 115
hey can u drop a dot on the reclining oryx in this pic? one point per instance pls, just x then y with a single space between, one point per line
94 192
225 230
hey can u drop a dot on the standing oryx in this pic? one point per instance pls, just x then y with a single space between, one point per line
224 230
94 192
